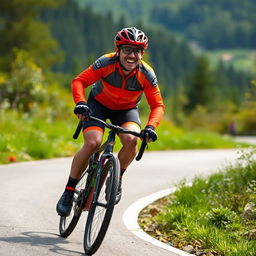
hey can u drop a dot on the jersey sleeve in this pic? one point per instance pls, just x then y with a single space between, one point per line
88 77
156 104
153 95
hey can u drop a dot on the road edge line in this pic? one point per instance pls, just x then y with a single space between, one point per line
130 219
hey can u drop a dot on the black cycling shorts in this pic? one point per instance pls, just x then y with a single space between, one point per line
117 117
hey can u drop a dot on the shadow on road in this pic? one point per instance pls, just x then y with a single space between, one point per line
42 239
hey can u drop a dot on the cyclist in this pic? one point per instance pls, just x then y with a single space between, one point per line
118 80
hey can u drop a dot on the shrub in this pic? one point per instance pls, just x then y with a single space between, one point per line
24 85
221 217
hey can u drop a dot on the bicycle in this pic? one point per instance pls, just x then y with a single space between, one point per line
96 190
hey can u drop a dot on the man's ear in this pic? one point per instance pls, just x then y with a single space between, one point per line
117 51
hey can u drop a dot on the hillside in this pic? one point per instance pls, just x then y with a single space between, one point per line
212 24
133 10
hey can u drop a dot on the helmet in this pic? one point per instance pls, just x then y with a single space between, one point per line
132 36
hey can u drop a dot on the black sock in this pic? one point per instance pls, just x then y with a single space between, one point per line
71 184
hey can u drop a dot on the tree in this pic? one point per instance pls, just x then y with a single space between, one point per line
247 114
21 29
200 91
25 84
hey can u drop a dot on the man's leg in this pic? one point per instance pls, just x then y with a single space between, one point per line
92 140
127 152
129 142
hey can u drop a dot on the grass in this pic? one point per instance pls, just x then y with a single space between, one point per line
208 215
24 137
171 137
240 58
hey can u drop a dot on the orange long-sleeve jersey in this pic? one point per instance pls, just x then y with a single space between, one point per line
118 92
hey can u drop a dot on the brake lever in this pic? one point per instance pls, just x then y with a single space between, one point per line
142 149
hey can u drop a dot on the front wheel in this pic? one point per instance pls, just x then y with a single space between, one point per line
100 213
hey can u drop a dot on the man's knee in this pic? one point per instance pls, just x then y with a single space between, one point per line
92 140
92 144
130 141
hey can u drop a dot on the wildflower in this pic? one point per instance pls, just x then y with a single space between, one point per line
12 158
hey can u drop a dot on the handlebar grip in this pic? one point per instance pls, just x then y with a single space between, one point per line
142 149
78 129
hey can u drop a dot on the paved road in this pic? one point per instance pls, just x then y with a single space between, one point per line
29 191
246 139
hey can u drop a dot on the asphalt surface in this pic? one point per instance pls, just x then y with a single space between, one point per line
29 192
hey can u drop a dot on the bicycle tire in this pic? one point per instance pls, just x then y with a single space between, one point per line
68 223
100 213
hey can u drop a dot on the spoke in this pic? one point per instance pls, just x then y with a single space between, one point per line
96 225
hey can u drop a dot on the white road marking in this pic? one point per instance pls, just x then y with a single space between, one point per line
130 219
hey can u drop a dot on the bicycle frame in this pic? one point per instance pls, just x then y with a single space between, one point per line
107 149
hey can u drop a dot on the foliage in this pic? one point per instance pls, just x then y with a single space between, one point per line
214 24
248 112
81 34
43 136
177 107
173 60
230 83
225 116
200 91
220 217
240 59
21 29
218 120
47 132
25 84
208 214
133 10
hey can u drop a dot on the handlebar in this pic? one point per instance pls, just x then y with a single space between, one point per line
78 130
116 129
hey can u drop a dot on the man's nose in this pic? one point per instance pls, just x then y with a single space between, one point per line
132 54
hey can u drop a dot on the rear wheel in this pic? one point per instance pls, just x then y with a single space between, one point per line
100 213
68 223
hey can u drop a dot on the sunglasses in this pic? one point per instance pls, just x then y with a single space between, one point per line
128 50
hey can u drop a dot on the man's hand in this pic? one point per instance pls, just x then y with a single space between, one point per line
149 133
82 111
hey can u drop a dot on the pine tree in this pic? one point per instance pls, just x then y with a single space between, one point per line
200 91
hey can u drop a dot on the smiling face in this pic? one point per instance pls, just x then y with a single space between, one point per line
129 57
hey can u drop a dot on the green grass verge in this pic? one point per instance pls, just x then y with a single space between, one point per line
24 137
209 214
240 58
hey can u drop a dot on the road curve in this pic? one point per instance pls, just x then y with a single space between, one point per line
29 191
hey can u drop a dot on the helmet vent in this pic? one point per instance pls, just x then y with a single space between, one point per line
125 35
132 36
